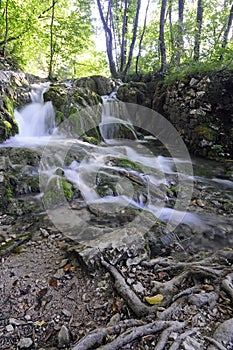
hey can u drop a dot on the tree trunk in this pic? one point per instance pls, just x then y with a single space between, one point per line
123 39
126 70
142 36
6 29
197 40
226 32
161 37
109 45
180 41
50 75
172 39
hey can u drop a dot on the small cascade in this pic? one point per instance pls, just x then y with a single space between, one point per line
37 118
113 127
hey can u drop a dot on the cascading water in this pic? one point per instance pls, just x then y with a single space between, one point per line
111 127
112 176
36 119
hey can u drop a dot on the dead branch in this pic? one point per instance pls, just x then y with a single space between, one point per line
133 301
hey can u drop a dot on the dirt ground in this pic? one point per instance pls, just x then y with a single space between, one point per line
49 300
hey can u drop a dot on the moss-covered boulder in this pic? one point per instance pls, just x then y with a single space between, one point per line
77 112
135 92
97 83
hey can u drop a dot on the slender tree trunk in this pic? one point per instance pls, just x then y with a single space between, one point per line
227 31
126 70
197 40
161 37
123 39
142 36
6 29
109 44
172 39
50 75
180 41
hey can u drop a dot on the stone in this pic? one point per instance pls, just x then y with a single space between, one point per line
25 343
9 328
193 82
63 337
224 335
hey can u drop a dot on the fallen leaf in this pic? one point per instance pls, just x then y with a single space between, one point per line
156 299
53 282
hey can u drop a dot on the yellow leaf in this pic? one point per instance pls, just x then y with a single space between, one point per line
41 323
156 299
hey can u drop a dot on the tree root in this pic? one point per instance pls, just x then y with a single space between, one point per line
97 337
178 341
133 301
215 343
147 329
227 285
166 333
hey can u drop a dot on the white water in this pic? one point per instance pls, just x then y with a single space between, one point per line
36 124
37 119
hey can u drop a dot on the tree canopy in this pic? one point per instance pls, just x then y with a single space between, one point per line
57 38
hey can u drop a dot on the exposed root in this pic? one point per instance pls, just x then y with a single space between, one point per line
176 344
188 291
133 301
166 333
215 343
141 331
97 337
227 285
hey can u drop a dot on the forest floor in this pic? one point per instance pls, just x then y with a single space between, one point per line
49 300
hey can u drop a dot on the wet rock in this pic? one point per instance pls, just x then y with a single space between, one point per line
63 337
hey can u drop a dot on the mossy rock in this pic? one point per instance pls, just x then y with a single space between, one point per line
8 125
58 192
206 132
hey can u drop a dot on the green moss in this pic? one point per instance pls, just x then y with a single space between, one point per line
58 191
91 139
206 132
67 188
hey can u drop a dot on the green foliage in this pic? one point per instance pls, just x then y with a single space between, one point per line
189 69
25 37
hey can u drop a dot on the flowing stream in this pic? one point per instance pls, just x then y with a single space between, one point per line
117 175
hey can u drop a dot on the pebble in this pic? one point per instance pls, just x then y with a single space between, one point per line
63 337
25 343
66 313
9 328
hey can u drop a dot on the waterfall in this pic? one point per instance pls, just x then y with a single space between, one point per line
37 118
112 127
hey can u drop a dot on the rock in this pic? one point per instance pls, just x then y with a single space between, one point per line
63 337
25 343
9 328
224 335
